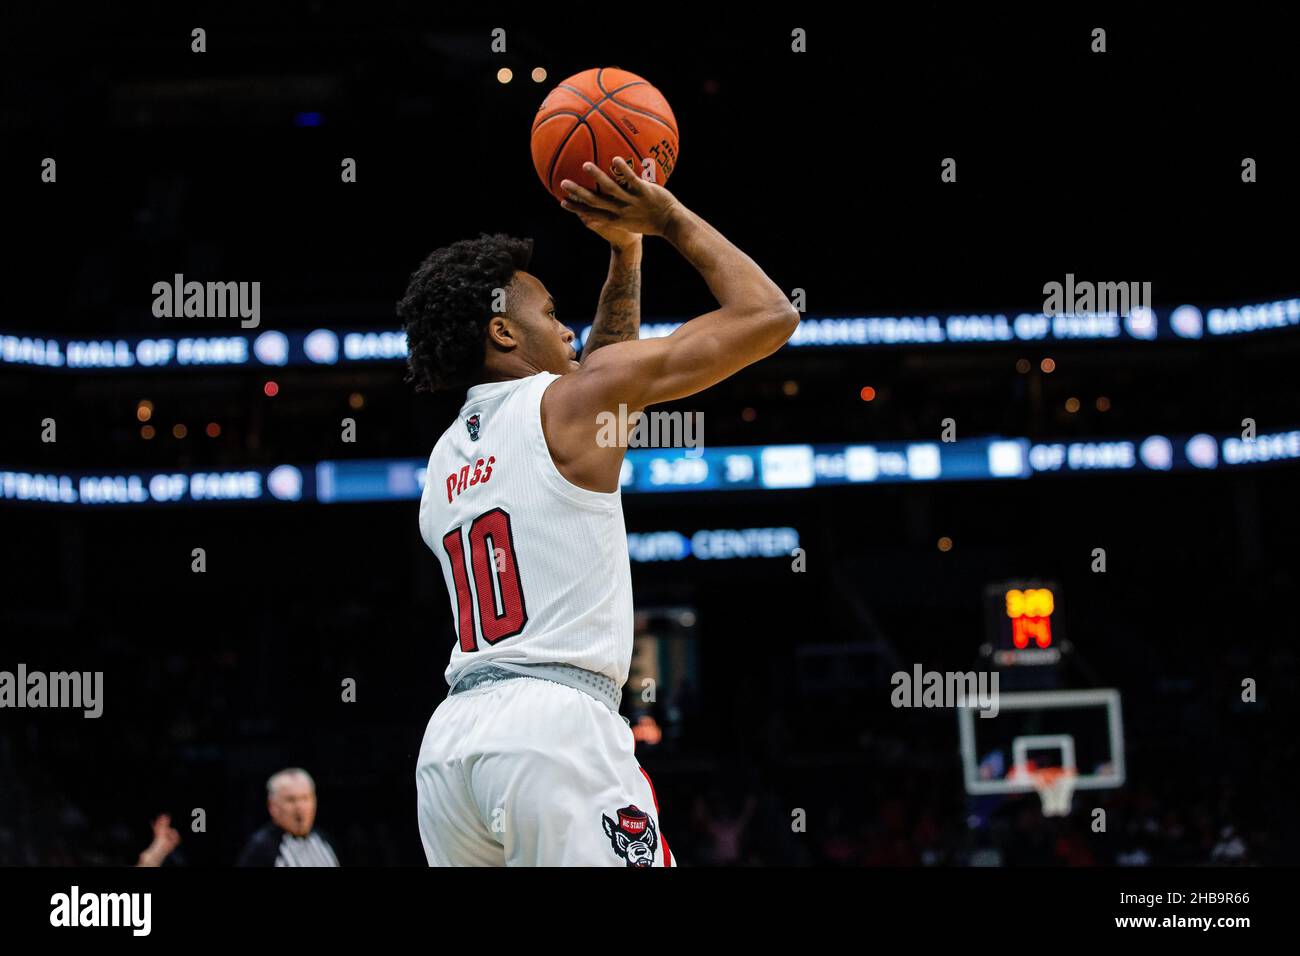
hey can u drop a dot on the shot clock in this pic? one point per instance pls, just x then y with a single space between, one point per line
1023 624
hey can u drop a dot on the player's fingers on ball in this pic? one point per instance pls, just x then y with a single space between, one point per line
627 173
587 197
632 181
607 185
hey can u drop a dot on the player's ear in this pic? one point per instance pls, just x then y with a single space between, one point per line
500 333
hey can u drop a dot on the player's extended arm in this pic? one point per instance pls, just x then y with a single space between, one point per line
753 318
618 316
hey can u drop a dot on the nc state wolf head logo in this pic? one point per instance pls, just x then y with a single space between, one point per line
471 424
633 836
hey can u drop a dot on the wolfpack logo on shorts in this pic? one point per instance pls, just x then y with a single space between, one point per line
633 837
471 424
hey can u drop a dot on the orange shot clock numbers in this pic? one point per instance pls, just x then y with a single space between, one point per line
1030 611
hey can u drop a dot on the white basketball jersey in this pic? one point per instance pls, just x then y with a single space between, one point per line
536 567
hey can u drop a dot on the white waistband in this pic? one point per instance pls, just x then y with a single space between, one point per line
597 686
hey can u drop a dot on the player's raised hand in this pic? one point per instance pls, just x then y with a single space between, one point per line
625 202
619 239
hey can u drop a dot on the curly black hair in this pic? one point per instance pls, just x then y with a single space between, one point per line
447 305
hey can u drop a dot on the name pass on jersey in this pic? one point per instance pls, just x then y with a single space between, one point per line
457 482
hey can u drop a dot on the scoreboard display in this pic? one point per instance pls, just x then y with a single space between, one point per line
1023 626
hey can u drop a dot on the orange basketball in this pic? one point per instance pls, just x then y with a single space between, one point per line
596 115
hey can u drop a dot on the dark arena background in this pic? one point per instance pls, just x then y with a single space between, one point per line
867 498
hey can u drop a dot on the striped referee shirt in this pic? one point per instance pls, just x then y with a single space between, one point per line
271 846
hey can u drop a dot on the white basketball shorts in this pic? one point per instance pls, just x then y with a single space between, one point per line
528 772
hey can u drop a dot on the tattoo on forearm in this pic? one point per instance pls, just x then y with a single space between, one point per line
618 317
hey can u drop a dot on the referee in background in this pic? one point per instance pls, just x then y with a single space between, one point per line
289 840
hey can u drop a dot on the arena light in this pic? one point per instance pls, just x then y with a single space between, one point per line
1186 322
321 346
1157 453
1141 323
285 483
272 348
1202 451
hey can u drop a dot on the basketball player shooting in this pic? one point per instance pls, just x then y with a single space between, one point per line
527 762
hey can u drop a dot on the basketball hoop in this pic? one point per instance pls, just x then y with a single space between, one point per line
1055 786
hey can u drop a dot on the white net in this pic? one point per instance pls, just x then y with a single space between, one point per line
1055 787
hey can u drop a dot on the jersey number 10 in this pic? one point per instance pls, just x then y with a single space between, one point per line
496 580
